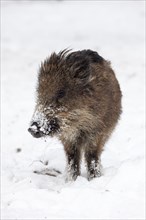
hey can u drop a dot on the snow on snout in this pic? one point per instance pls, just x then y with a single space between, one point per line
39 122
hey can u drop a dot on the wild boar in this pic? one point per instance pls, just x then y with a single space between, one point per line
79 101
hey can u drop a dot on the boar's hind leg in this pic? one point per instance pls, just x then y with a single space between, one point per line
92 157
73 154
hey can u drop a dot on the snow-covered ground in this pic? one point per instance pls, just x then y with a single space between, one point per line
30 32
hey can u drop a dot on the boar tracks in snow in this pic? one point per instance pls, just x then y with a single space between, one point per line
49 172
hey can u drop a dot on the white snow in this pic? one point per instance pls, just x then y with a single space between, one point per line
30 32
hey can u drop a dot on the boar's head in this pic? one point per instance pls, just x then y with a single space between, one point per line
64 87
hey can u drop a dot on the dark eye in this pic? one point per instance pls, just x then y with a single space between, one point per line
60 94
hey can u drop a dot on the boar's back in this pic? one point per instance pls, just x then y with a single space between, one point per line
87 55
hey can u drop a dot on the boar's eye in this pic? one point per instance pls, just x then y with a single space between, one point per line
60 94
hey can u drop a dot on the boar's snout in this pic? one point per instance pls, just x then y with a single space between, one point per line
38 130
34 129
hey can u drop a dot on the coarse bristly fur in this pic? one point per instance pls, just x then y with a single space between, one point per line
79 101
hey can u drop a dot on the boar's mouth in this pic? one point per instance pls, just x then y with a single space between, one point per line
38 130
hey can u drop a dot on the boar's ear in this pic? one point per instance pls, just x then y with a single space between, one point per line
79 69
79 63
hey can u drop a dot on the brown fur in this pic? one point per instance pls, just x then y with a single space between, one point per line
80 91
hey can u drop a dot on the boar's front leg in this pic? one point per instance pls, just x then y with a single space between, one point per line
92 157
73 153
